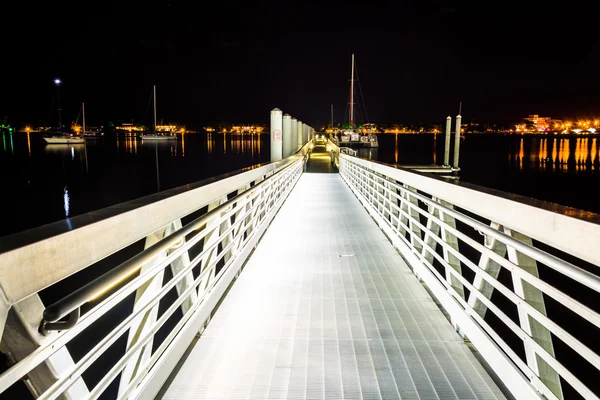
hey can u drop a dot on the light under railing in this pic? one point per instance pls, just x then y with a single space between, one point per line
226 235
438 239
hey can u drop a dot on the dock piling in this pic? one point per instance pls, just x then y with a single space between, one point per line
457 141
287 136
447 142
276 135
299 134
294 136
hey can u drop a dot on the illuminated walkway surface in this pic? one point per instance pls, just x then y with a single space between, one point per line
326 309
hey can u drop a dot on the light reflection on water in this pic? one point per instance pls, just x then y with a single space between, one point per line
67 201
108 171
574 154
562 170
51 182
562 154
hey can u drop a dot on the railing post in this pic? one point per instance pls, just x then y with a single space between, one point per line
414 215
535 298
299 135
457 141
4 309
453 262
447 142
179 264
434 228
21 337
287 135
491 267
276 135
212 236
294 136
144 322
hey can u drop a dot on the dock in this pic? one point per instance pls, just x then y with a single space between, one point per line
327 309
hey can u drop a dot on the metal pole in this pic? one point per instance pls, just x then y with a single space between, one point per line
457 141
287 135
276 134
332 119
58 106
447 143
154 96
294 140
299 135
352 94
157 174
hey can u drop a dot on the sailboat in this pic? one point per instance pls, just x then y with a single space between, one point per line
352 136
92 133
63 139
59 136
154 134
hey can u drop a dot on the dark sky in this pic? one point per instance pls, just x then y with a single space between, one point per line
235 61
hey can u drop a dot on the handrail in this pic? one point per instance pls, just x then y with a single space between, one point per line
24 252
227 232
348 150
582 225
420 213
110 279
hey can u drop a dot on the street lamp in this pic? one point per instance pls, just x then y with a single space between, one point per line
57 82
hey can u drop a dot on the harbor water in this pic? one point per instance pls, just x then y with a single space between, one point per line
45 183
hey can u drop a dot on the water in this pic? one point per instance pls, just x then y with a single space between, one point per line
558 170
46 183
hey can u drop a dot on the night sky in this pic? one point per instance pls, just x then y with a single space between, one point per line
235 61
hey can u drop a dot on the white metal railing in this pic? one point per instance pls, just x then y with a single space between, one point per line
204 257
458 240
348 150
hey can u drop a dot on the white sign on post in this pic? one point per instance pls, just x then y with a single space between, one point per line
277 134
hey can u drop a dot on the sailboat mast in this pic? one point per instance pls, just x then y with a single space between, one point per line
83 113
154 96
332 118
352 94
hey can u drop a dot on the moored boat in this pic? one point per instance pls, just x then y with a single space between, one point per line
351 136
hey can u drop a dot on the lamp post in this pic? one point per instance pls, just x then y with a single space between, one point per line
57 82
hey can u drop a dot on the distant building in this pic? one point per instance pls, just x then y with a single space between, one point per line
370 128
129 127
540 124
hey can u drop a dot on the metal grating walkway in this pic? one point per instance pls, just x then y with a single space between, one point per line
326 309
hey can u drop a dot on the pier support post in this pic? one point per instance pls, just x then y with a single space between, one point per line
287 135
276 134
304 134
294 140
447 142
299 135
457 141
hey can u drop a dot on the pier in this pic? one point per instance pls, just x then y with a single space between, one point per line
319 275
